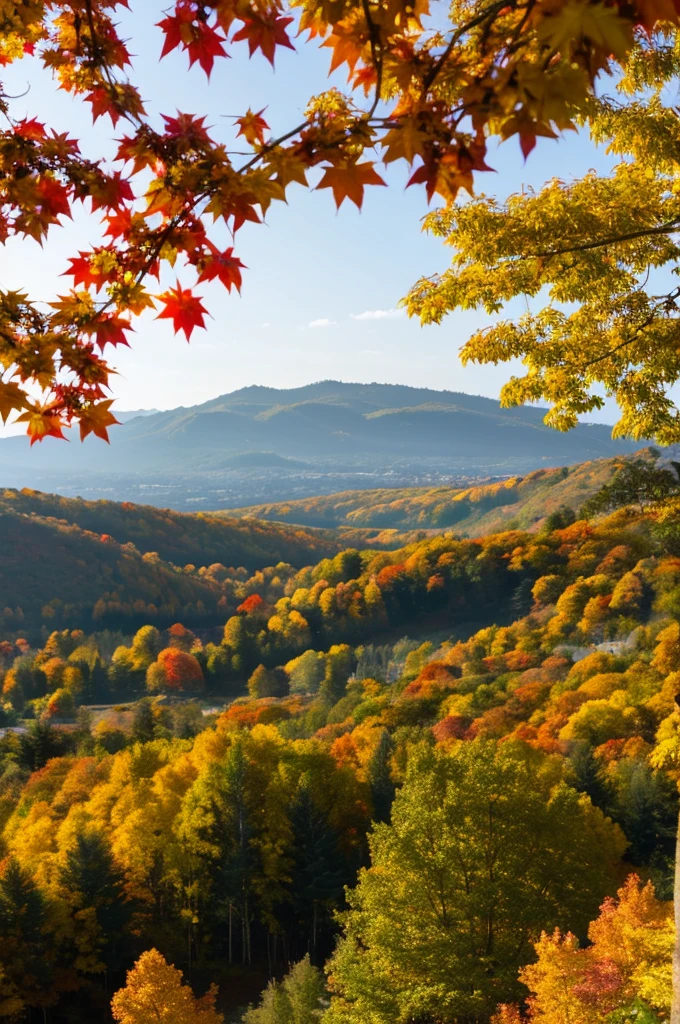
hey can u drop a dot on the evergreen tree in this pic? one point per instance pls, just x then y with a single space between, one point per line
340 663
380 777
143 720
25 970
218 829
94 889
588 778
318 870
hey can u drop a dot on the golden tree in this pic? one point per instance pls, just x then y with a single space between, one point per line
154 992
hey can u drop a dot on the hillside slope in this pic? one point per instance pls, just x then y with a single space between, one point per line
67 561
176 536
520 502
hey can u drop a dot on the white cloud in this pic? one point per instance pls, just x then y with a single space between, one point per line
322 322
378 314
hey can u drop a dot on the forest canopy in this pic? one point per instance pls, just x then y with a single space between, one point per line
317 814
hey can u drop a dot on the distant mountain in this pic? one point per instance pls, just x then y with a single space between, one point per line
517 502
290 442
130 414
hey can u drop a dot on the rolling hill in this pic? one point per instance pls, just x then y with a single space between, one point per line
68 562
517 502
263 443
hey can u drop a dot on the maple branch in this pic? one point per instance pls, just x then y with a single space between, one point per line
629 341
154 254
272 145
491 12
661 229
103 66
376 54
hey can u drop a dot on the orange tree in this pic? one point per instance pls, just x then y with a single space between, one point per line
427 88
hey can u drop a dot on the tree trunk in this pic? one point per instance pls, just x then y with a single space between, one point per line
314 932
230 933
675 1007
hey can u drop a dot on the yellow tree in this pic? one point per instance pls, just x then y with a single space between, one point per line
598 254
154 992
628 960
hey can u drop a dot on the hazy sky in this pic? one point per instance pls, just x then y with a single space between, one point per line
321 287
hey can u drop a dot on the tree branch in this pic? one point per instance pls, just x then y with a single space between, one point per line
491 12
376 54
661 229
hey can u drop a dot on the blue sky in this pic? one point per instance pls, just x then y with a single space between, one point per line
321 287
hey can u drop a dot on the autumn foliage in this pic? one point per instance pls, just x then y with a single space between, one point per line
337 770
175 669
425 92
154 991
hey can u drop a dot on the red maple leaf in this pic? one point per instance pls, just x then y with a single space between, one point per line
108 330
53 198
176 27
119 222
111 192
225 267
265 34
103 103
202 42
206 45
186 127
184 309
32 129
84 272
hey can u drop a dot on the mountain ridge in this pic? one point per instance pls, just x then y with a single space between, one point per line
381 433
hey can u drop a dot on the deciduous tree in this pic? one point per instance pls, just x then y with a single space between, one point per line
475 862
154 992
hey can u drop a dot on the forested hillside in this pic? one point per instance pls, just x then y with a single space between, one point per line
517 501
100 563
349 755
174 536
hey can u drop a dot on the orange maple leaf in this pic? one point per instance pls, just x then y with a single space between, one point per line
96 420
184 309
11 399
348 181
252 126
42 422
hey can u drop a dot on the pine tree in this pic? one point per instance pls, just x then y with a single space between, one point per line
94 889
318 871
143 720
380 777
25 970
